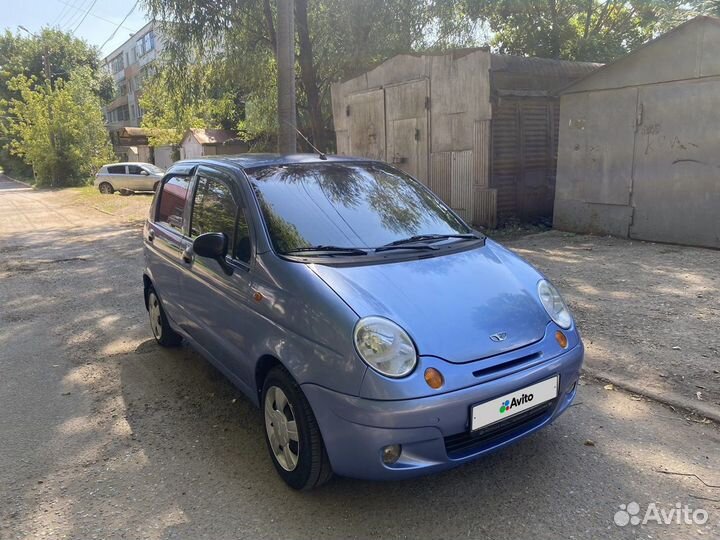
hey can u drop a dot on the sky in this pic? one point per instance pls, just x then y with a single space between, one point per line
102 19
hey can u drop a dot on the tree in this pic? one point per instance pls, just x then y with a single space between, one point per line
171 109
60 131
22 55
588 30
335 39
287 115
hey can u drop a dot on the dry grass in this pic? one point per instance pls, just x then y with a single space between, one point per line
129 208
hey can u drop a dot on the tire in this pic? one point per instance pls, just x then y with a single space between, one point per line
164 335
312 466
106 188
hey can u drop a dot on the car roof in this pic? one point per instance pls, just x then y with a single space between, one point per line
251 161
128 163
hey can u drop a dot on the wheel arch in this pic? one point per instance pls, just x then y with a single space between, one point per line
262 367
147 285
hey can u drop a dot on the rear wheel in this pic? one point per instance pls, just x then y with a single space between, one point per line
292 434
106 188
164 335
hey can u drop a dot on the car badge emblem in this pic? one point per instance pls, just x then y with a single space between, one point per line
500 336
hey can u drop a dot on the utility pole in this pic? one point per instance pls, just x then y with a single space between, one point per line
287 114
48 85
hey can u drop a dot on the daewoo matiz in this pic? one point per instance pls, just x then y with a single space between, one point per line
381 335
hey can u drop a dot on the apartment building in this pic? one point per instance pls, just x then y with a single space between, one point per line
130 64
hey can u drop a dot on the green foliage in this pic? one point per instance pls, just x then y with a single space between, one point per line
59 131
346 37
588 30
24 56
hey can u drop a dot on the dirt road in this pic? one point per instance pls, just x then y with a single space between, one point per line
104 435
650 313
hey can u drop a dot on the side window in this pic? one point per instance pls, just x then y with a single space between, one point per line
134 169
173 194
214 209
116 169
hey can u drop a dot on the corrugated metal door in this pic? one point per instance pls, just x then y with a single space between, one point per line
524 154
407 127
676 175
367 124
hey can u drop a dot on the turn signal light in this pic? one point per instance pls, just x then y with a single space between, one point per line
561 339
434 378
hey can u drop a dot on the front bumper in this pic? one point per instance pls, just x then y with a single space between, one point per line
433 431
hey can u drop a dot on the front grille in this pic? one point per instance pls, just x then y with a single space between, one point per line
503 366
468 442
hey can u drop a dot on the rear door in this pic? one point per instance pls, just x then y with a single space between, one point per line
117 176
217 305
165 241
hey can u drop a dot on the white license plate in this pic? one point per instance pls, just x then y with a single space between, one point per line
509 405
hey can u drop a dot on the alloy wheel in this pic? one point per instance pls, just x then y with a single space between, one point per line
155 316
281 427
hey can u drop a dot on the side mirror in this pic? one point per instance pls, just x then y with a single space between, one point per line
144 173
213 246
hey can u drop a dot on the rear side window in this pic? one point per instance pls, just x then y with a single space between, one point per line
173 195
214 209
116 169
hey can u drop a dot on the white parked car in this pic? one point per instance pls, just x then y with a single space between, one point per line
133 176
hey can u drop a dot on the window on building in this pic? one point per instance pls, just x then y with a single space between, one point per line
122 89
145 44
117 64
119 114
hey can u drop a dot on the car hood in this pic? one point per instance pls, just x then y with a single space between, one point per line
450 305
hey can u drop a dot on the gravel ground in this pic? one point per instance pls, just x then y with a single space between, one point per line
649 313
105 435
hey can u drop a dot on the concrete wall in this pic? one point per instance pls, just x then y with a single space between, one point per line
638 149
164 156
191 148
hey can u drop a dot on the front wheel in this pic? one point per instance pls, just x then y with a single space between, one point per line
292 434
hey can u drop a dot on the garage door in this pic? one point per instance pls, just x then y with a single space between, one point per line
407 127
676 179
367 127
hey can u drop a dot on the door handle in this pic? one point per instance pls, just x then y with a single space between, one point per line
151 236
187 255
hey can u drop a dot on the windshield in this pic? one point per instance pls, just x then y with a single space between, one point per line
348 205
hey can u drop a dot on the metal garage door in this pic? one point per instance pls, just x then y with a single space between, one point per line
367 128
676 178
524 143
407 127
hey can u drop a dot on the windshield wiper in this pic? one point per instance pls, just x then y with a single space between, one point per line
389 247
421 237
327 250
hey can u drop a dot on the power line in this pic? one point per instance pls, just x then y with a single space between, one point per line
66 13
121 23
94 15
71 15
85 16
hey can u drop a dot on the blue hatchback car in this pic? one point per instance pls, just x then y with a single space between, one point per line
381 335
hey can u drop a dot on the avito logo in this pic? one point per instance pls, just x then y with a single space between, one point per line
514 402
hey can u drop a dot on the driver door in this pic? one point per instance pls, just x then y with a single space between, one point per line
217 305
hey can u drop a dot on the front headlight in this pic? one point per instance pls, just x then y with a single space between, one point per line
384 346
554 304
